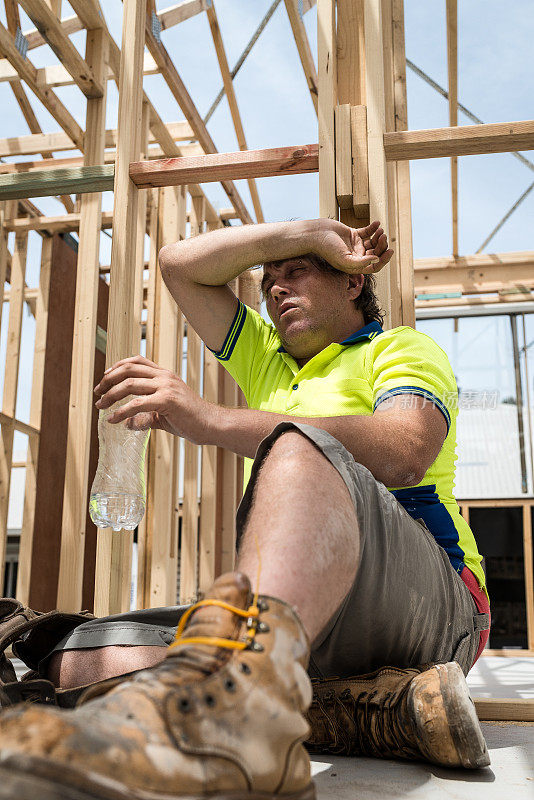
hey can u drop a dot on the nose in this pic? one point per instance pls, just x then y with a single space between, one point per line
278 291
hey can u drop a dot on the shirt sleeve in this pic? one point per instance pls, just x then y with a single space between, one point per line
248 342
405 361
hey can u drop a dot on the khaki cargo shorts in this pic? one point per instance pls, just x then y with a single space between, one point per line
407 605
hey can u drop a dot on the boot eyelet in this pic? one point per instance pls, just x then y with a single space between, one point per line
229 685
184 705
245 668
262 604
263 627
257 647
209 700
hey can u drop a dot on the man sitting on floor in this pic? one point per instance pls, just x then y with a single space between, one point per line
385 583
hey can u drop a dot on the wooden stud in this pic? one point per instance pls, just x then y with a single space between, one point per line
232 101
30 488
376 125
344 190
360 169
57 181
452 61
190 513
327 100
121 316
304 50
9 404
83 353
69 25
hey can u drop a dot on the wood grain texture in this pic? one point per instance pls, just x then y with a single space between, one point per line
498 137
50 28
360 168
452 64
511 710
327 87
344 190
222 166
304 50
528 561
80 413
48 182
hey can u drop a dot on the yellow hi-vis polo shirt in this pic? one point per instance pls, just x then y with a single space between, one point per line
354 377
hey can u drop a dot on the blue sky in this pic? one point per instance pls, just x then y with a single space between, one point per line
496 82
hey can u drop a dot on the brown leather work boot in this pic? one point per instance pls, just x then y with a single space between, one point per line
399 713
221 717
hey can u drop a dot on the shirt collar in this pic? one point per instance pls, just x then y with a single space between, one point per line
369 331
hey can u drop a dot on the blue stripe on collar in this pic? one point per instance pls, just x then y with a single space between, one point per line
367 332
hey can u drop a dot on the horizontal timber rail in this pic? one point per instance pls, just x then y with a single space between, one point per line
466 140
226 166
22 427
44 183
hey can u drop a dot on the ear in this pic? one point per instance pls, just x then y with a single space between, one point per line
355 285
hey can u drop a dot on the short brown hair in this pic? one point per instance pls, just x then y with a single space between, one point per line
367 302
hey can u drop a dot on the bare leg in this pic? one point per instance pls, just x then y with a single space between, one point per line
72 668
307 531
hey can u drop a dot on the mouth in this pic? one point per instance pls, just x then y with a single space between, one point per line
285 308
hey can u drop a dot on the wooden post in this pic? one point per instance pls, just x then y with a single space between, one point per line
166 344
121 318
83 355
190 521
326 48
30 488
452 61
9 403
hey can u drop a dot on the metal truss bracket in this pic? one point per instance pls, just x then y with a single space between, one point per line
21 43
156 27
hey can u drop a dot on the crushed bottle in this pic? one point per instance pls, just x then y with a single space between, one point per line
118 494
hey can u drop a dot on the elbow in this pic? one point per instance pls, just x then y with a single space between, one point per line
166 263
408 475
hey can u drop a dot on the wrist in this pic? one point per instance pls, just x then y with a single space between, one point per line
215 424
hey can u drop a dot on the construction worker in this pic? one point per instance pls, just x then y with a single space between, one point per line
377 595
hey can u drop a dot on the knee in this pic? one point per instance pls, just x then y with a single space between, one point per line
291 449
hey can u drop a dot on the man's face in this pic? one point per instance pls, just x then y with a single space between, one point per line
306 305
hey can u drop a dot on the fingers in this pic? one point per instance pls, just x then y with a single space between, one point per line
147 403
127 369
367 232
127 387
142 421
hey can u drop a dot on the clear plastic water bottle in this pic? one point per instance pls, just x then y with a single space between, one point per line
118 493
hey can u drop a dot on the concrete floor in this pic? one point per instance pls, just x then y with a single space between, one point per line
511 747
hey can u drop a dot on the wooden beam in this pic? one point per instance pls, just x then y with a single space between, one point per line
505 710
327 100
57 75
498 137
304 49
61 224
190 111
47 97
48 182
83 353
360 167
476 273
232 101
473 302
226 166
47 143
452 62
173 15
69 25
50 27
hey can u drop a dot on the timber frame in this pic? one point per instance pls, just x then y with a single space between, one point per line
155 169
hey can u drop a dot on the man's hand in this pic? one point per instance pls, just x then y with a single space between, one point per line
352 250
160 399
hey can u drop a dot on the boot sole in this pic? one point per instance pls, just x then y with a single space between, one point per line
463 726
19 785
